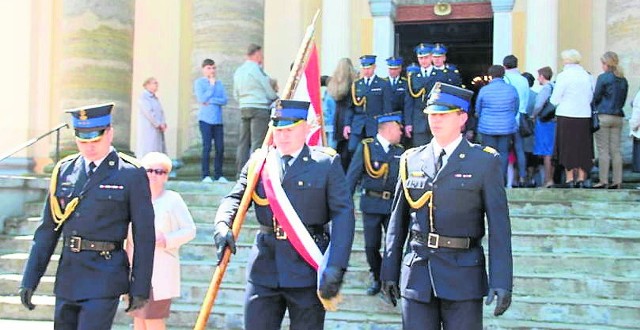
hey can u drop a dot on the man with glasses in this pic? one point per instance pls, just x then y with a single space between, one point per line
94 196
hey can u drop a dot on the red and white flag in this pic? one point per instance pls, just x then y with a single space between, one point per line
308 89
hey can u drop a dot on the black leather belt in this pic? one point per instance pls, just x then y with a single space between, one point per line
435 241
77 244
280 234
379 194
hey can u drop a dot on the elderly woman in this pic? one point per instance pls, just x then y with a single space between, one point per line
151 122
572 96
174 227
609 98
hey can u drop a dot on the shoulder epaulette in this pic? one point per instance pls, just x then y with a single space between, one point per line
385 78
131 160
399 145
69 158
367 140
327 150
490 150
410 151
403 78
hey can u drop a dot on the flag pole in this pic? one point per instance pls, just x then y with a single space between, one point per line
216 280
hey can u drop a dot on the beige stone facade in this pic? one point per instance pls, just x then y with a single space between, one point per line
65 53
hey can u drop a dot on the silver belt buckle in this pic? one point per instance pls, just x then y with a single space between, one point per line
75 243
432 240
386 195
278 231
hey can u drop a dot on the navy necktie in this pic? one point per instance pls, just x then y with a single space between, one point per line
92 168
440 159
286 159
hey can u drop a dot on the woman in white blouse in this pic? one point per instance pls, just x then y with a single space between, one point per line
572 95
174 227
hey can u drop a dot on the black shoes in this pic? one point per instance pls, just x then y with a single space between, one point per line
615 186
568 184
375 286
374 289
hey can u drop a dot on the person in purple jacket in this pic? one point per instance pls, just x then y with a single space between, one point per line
211 97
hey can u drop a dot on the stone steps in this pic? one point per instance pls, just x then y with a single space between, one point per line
575 265
520 222
600 313
610 244
555 285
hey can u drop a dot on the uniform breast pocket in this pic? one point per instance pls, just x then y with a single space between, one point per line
109 202
110 195
468 184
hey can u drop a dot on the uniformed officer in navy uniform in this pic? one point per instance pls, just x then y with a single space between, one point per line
445 191
93 197
397 83
415 124
412 69
444 72
279 278
375 167
371 96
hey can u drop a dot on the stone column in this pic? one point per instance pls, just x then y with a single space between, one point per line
222 31
384 14
336 41
542 35
96 61
502 29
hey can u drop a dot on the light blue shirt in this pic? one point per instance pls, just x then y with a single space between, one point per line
515 79
210 98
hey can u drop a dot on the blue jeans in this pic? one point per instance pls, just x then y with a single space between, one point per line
501 144
216 133
521 158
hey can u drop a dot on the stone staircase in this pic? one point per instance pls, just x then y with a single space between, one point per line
576 266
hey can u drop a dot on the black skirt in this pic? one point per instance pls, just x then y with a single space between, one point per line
574 143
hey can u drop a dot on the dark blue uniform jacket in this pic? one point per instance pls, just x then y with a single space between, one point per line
386 183
378 101
116 194
315 186
468 188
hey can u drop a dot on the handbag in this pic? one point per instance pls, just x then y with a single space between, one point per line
595 121
526 125
548 112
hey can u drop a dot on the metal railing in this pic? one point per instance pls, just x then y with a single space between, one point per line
36 139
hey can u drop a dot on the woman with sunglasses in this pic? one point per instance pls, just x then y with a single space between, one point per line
174 227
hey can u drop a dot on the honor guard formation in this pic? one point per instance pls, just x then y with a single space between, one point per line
425 208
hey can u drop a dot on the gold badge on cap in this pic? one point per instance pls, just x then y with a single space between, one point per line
83 115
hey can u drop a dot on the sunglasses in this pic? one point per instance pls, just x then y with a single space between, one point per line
157 171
